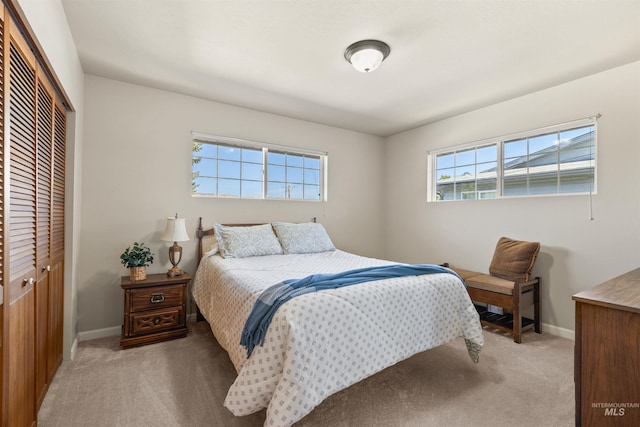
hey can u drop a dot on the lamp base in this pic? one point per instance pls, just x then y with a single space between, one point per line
174 272
175 255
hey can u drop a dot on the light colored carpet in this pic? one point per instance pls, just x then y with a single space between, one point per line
184 382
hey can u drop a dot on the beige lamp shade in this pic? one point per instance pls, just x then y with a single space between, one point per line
176 230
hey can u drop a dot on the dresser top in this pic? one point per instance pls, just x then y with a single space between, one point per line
622 293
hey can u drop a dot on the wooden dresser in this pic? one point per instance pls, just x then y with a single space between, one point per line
607 353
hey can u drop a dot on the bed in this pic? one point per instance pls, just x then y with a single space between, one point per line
319 343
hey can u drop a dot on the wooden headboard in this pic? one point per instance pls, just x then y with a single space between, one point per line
202 234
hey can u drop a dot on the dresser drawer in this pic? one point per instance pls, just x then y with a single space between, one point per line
159 320
156 297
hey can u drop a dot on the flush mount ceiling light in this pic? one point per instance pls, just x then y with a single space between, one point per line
367 55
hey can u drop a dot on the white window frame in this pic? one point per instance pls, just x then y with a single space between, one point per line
499 141
265 147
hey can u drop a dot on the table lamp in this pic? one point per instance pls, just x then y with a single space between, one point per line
175 232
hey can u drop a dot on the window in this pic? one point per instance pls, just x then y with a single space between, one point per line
554 160
469 173
226 167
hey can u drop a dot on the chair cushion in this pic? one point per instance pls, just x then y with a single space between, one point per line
514 259
491 283
465 274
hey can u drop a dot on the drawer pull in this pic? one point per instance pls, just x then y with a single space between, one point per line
156 320
157 298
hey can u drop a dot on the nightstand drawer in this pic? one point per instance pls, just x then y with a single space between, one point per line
156 321
156 297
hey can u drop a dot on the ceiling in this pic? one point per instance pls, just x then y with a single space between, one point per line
286 56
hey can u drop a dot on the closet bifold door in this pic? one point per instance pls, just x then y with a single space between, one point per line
56 275
20 229
44 137
32 181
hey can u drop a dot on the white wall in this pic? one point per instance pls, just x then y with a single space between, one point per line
137 171
49 24
576 253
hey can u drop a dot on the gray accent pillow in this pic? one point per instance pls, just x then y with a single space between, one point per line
242 242
305 238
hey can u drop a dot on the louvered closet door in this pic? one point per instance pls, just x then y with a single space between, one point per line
44 137
45 122
57 196
21 229
56 276
22 168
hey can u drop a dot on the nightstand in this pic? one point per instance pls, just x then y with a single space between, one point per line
154 309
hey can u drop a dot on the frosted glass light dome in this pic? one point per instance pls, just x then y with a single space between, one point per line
367 55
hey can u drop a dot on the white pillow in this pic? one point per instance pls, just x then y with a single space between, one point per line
242 242
211 251
209 245
303 238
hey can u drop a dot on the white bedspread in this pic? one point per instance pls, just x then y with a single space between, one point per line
320 343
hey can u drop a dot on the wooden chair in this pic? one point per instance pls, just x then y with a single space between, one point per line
509 286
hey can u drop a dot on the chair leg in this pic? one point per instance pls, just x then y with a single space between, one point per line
517 316
536 306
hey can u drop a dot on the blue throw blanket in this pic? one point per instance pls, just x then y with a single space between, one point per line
271 299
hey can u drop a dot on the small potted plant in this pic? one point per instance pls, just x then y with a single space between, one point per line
137 258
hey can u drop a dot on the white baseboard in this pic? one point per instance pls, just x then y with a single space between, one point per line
99 333
74 349
558 331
